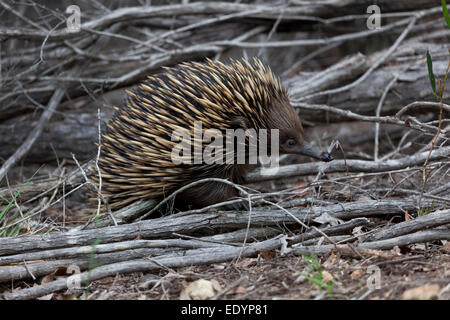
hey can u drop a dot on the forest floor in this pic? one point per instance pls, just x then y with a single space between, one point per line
415 272
419 274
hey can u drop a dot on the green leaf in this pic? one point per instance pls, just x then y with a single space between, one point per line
430 73
445 11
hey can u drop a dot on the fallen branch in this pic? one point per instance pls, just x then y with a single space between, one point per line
418 237
345 166
431 220
28 143
166 226
31 263
191 257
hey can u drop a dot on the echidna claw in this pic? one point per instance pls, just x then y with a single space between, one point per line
326 157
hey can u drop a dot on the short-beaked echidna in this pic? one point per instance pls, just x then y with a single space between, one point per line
136 147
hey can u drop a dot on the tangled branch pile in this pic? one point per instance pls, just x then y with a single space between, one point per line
363 93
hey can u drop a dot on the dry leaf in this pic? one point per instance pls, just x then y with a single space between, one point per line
419 246
301 189
331 261
198 290
247 262
326 276
327 218
357 274
357 231
446 247
48 278
216 285
240 290
64 296
427 292
267 254
60 271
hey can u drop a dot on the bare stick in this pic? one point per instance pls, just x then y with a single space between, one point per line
99 173
130 13
166 226
378 113
433 142
35 133
196 256
418 237
410 122
342 166
430 220
377 63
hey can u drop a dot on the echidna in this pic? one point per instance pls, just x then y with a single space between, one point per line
136 147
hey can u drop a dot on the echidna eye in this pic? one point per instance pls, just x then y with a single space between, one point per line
291 142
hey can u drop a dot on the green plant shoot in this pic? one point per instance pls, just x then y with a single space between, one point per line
431 74
445 12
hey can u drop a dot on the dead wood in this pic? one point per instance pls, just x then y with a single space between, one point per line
163 227
196 256
392 165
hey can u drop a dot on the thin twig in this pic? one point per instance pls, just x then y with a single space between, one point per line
35 133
